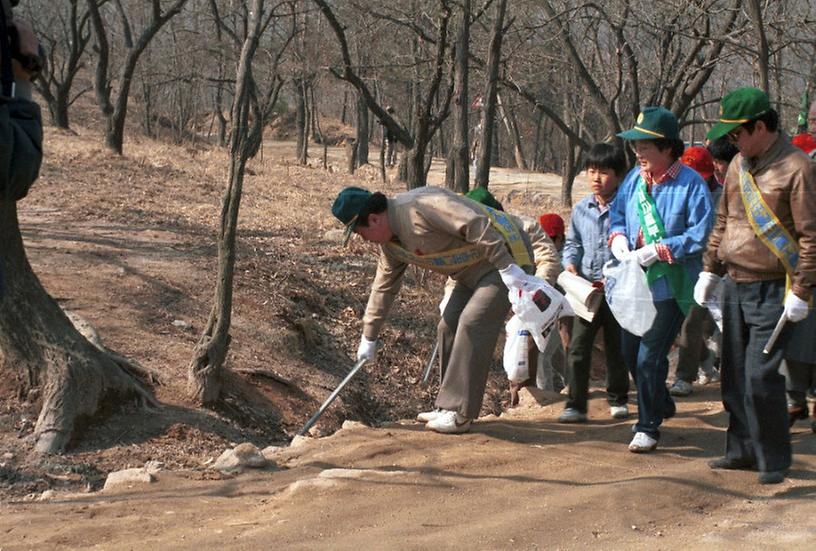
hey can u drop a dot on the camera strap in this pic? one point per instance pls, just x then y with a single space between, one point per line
6 74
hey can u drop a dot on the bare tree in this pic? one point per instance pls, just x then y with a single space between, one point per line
763 51
490 96
248 120
65 32
426 120
115 110
460 150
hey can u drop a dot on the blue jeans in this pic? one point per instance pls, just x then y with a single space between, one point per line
648 362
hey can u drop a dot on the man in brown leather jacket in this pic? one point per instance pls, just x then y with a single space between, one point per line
765 233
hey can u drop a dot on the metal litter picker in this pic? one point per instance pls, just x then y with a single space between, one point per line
331 398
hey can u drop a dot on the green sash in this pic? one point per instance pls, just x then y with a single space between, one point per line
766 225
455 260
680 284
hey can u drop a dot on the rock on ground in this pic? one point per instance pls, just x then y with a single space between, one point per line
128 477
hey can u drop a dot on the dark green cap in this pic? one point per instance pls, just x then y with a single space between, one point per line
347 207
653 123
740 106
481 195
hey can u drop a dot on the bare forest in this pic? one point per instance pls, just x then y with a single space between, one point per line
177 284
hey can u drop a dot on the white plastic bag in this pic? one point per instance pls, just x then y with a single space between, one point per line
516 351
628 295
537 307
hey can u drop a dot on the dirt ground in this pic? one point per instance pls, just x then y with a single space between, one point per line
128 243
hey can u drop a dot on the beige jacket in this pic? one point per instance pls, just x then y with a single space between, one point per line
431 220
786 178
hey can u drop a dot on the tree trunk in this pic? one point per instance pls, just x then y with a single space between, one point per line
302 145
41 349
205 373
763 52
362 131
511 125
491 91
382 157
459 151
568 172
537 141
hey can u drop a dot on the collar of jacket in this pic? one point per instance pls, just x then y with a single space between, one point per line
780 147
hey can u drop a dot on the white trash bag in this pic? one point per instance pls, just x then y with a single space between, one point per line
628 295
516 351
537 307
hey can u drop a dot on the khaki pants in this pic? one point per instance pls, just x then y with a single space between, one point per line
467 335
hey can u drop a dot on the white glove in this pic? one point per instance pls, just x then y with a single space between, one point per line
513 277
796 309
647 255
705 286
367 349
619 247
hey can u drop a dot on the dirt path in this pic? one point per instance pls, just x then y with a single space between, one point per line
520 481
127 242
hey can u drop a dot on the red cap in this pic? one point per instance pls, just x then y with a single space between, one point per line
805 142
552 224
699 159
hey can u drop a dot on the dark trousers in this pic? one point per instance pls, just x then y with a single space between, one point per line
692 350
753 390
467 335
648 360
580 360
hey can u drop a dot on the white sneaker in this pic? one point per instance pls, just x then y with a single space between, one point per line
426 416
642 443
619 412
449 422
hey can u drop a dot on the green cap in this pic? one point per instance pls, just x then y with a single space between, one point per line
347 207
740 106
481 195
653 123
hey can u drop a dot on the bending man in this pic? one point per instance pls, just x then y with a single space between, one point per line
479 247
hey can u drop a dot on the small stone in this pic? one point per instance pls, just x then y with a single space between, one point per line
47 495
250 456
181 324
350 425
243 455
8 455
128 477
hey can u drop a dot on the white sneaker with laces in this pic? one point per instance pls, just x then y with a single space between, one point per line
619 412
642 443
426 416
449 422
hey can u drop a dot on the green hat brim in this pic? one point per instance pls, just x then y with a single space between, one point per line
635 134
721 129
349 231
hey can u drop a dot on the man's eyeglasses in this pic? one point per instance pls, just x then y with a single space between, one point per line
734 135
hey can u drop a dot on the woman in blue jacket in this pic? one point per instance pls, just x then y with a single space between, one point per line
662 215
